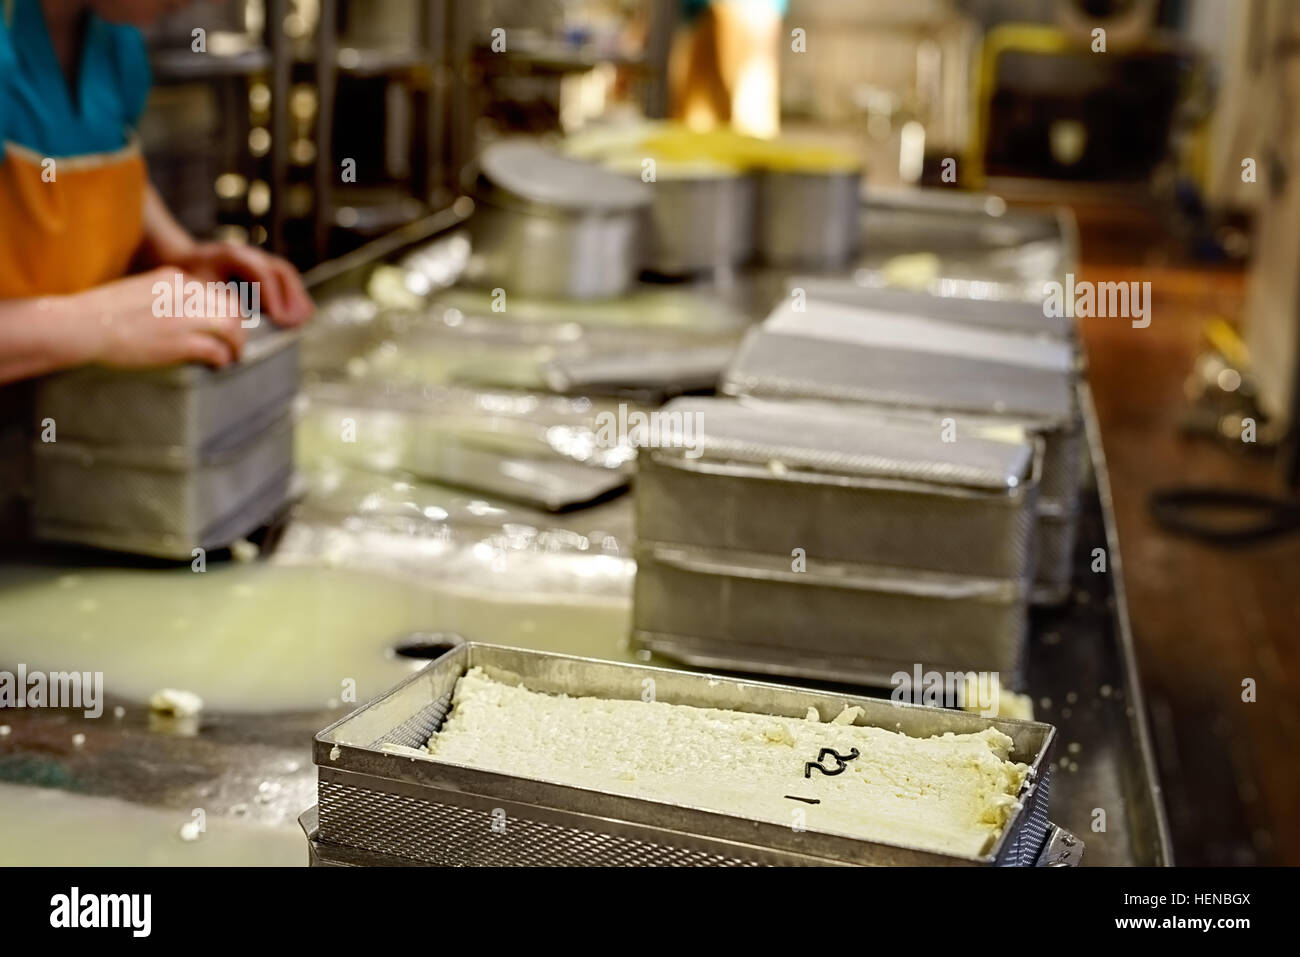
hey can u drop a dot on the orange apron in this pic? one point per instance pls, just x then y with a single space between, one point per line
70 223
59 233
66 224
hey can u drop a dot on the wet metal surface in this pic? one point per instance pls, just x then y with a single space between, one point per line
258 767
250 762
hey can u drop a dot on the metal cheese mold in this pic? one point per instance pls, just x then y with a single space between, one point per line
912 364
855 624
188 406
771 477
385 808
819 541
163 502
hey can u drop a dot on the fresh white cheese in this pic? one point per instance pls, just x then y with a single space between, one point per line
179 704
949 793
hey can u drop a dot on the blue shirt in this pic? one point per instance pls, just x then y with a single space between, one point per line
40 112
693 8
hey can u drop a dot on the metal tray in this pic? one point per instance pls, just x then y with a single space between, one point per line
849 488
434 812
436 436
161 502
652 376
975 246
1060 849
1011 316
1065 470
187 406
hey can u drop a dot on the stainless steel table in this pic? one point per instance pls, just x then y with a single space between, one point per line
1082 678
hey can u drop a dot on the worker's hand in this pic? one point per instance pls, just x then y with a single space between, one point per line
281 291
132 324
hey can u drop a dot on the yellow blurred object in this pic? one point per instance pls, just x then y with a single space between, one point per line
912 271
725 145
1005 38
387 286
674 144
1230 345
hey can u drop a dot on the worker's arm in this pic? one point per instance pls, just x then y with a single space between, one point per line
115 325
166 243
165 240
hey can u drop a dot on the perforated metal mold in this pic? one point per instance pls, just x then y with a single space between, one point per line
378 806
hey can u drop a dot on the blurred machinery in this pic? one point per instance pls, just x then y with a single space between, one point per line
1256 382
1249 159
207 131
1091 98
893 79
1273 307
310 126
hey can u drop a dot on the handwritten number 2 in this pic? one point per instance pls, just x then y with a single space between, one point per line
841 762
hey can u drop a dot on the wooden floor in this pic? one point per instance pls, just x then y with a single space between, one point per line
1204 618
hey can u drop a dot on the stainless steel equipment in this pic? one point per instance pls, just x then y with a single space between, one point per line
1082 669
830 622
841 485
844 545
553 227
700 222
960 376
445 439
808 218
190 406
1009 315
650 375
162 501
965 245
377 806
165 461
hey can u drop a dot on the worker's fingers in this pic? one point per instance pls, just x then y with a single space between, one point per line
235 309
280 288
252 265
288 314
228 329
298 307
198 347
300 300
304 306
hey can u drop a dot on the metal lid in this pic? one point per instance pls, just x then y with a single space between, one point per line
996 314
832 439
261 343
848 355
529 172
884 328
